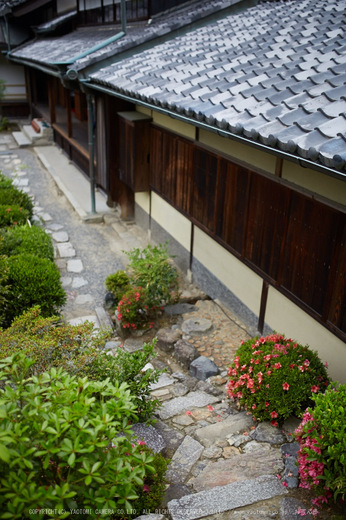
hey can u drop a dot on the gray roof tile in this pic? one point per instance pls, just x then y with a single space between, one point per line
274 72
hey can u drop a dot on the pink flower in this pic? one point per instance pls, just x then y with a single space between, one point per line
267 404
285 484
274 423
315 389
146 488
285 386
277 365
301 512
254 407
188 412
210 408
273 415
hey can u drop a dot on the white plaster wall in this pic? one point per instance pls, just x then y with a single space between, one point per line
171 220
143 200
174 125
14 80
238 278
316 182
285 317
242 152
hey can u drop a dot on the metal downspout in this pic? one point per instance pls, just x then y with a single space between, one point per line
90 104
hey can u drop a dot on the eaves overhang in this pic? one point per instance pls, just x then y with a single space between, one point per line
223 129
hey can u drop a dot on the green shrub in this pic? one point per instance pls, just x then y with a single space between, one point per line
274 377
118 283
63 449
77 349
33 281
11 195
150 268
322 454
12 215
27 239
4 288
134 310
150 495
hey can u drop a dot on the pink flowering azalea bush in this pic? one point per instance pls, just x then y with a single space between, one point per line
274 377
322 453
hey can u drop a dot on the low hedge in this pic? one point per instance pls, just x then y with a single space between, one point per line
11 195
12 215
27 239
32 281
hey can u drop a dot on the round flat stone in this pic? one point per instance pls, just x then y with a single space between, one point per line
196 326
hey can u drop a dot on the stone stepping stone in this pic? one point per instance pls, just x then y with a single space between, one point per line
265 432
46 217
75 266
179 405
79 281
179 308
84 319
55 227
225 498
219 431
20 182
84 299
241 466
196 326
66 250
183 460
60 236
202 367
164 380
66 280
150 436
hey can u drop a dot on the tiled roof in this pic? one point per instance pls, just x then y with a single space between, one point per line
274 74
66 49
6 6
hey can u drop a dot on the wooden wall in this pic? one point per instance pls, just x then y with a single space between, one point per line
294 241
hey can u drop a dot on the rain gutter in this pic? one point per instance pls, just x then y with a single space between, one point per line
223 133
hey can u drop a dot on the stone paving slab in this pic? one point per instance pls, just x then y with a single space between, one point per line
183 460
182 404
225 498
241 466
237 423
66 250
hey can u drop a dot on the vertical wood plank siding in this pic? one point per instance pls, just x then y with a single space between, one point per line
296 243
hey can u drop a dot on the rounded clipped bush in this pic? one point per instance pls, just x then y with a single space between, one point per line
118 283
33 281
274 377
322 454
12 215
63 449
11 195
27 239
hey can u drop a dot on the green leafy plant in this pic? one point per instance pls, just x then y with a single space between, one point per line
151 269
12 215
33 281
134 310
274 377
61 448
11 195
130 367
27 239
4 287
48 342
150 495
322 454
118 283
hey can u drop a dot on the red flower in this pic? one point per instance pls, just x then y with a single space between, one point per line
285 386
273 415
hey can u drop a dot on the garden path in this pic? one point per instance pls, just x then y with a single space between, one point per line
223 466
